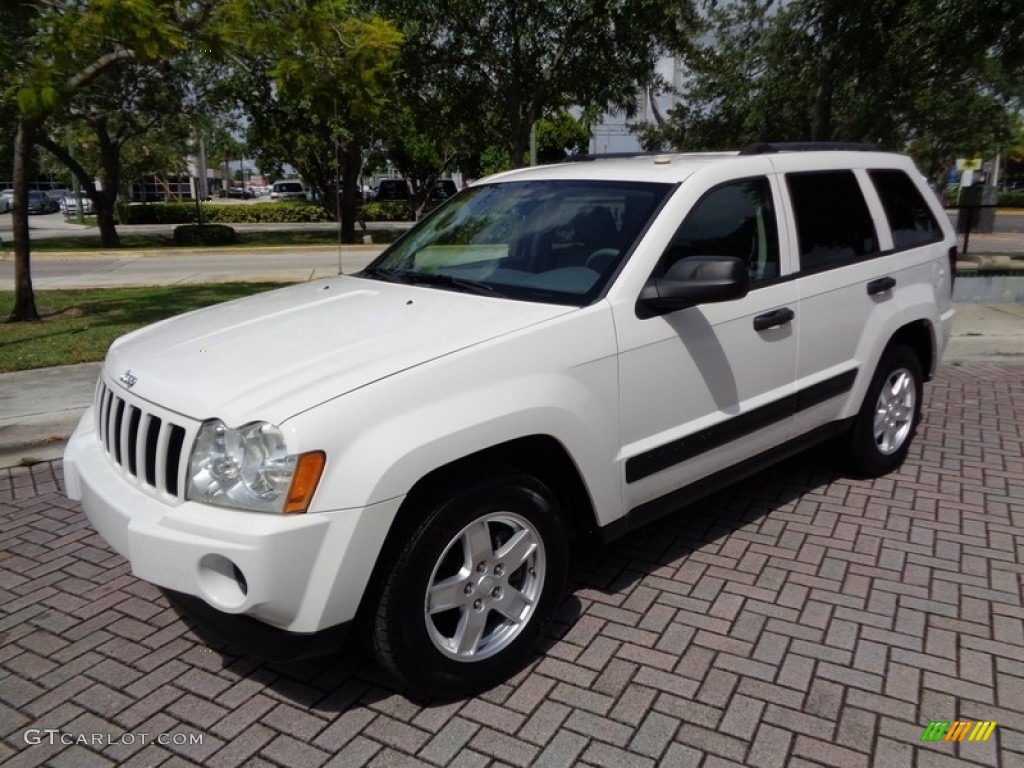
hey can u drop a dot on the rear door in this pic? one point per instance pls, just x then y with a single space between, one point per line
844 284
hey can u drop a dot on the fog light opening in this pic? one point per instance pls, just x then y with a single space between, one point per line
240 578
223 583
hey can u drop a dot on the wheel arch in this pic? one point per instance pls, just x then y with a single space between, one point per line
920 337
541 456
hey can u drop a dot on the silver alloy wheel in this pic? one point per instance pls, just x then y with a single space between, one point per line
894 411
485 587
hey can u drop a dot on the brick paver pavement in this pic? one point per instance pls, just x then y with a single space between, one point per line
801 619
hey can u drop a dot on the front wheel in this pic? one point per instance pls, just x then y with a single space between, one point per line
474 588
888 418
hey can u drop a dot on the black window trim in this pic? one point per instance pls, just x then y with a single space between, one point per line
877 254
874 187
778 229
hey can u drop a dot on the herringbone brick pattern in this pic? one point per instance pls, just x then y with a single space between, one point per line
801 619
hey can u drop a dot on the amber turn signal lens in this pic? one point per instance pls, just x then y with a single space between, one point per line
304 481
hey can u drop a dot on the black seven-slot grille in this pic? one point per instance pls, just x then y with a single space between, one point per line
147 447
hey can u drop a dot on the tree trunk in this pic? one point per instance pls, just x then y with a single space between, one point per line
105 199
104 204
351 163
821 129
421 189
821 121
420 200
519 145
24 298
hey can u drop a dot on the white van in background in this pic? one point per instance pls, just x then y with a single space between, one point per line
289 190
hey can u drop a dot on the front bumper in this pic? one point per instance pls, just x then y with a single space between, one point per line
300 573
254 638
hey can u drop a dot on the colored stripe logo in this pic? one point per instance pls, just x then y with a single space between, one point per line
958 730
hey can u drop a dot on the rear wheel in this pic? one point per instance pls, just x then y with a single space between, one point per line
890 414
474 588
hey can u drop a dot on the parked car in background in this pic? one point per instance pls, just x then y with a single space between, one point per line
69 205
443 189
6 200
392 190
243 193
397 190
289 190
40 202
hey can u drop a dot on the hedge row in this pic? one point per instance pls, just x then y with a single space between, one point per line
208 234
185 213
386 211
1003 199
256 213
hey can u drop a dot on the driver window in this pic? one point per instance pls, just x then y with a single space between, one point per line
735 219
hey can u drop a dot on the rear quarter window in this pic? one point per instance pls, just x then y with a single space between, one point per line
909 216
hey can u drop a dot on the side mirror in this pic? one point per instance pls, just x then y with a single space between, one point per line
695 280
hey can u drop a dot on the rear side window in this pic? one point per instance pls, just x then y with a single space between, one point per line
909 216
833 223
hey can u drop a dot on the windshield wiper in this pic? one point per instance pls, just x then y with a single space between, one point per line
449 281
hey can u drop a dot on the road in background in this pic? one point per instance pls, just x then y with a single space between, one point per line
199 265
52 225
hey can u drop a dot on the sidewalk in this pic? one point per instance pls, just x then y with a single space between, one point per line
41 408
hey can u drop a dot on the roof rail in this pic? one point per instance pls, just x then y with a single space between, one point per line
767 148
611 156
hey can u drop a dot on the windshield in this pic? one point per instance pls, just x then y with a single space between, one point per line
548 241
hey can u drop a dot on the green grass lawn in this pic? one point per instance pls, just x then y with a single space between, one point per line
253 239
78 326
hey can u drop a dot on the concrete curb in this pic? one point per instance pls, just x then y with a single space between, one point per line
41 409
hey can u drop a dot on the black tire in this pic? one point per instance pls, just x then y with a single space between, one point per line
889 416
511 524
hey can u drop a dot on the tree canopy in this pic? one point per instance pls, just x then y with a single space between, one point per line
462 84
501 67
933 76
65 47
311 76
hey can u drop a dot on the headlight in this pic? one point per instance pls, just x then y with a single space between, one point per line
250 468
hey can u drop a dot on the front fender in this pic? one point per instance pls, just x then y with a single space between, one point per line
558 379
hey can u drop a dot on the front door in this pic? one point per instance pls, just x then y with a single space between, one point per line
706 387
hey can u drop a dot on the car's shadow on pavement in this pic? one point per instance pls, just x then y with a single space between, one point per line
676 553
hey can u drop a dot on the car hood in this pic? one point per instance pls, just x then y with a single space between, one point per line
272 355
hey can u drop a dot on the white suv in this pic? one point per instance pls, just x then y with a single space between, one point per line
556 352
289 190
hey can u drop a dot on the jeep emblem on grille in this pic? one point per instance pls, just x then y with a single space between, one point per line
128 379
